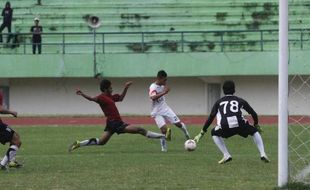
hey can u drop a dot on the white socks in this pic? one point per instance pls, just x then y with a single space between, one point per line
257 140
221 145
259 143
12 152
163 144
184 129
4 160
92 141
10 155
154 135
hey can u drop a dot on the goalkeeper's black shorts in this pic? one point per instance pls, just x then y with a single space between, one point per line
226 132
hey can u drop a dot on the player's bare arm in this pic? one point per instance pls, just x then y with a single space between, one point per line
127 85
252 112
211 117
156 96
80 93
6 111
207 123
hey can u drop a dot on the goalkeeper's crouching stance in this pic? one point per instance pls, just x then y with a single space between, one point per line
230 122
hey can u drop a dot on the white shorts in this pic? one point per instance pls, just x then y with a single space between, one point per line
168 115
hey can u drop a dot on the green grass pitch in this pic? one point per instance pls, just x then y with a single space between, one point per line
135 162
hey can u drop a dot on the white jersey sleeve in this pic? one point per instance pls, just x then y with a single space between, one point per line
159 105
152 90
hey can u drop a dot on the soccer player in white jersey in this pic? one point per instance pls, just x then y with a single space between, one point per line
161 112
230 122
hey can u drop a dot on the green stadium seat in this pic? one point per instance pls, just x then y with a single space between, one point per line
59 16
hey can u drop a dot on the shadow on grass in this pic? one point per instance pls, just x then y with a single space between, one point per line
294 186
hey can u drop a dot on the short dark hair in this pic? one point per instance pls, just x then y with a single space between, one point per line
105 84
162 74
229 87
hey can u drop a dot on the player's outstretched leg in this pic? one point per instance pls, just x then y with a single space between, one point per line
260 146
9 158
142 131
92 141
222 147
183 127
149 134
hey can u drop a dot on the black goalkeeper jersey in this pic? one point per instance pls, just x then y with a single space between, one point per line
229 114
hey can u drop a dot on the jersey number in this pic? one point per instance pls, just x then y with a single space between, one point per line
234 106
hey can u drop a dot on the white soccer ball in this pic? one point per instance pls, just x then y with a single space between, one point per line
190 145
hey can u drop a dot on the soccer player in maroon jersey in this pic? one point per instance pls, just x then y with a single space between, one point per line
8 135
114 123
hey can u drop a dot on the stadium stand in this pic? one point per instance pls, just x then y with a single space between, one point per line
123 16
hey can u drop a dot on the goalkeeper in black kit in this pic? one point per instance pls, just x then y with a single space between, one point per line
230 122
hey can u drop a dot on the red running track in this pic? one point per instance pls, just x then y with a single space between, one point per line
138 120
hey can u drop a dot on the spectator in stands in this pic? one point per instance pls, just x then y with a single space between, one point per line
36 36
7 14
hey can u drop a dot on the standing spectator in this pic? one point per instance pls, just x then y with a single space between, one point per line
36 36
7 14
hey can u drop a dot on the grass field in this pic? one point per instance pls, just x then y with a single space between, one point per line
134 162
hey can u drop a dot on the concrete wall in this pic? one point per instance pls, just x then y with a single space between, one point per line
57 96
188 96
146 65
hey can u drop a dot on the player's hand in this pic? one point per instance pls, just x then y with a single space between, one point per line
127 84
14 113
78 92
166 89
259 129
199 136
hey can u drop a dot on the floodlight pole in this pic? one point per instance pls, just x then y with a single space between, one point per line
283 95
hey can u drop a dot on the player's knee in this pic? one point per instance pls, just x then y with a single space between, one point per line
17 143
163 130
16 140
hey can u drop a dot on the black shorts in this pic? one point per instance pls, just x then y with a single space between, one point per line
243 131
116 126
6 133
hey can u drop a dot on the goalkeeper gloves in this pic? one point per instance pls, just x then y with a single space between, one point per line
258 128
199 136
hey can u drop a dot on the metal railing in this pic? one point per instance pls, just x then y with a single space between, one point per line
154 42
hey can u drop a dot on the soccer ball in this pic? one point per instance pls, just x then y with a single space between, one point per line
190 145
